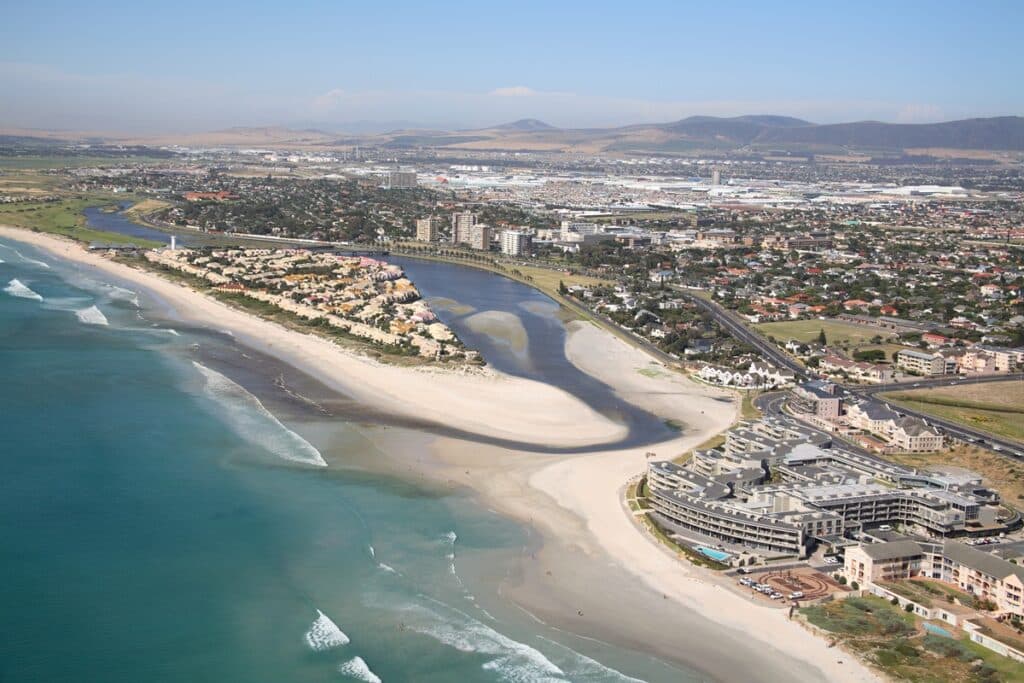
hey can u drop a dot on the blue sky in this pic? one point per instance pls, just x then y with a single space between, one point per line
195 66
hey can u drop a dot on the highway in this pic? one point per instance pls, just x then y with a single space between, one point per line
928 383
735 326
738 329
1002 445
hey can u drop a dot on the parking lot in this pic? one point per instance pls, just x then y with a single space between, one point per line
789 585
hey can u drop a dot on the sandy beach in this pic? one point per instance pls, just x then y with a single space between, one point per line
595 572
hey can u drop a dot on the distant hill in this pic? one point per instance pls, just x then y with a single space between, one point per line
1003 132
752 133
525 126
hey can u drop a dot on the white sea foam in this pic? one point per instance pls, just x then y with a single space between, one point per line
37 262
357 668
251 420
173 332
388 568
92 316
373 554
511 660
19 289
586 669
124 294
1 260
450 538
324 634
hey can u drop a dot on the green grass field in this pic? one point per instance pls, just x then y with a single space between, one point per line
44 162
836 333
996 408
64 218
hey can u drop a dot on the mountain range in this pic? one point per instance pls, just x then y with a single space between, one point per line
752 134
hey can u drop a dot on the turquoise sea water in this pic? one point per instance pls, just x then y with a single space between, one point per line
159 523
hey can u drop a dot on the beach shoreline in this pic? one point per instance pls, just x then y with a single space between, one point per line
573 501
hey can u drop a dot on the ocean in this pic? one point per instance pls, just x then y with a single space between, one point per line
174 511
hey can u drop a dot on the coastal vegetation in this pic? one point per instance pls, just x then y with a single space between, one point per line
889 638
64 217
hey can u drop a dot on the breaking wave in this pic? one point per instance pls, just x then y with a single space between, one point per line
92 316
450 539
251 420
589 669
26 258
19 289
357 668
388 568
123 294
324 634
511 660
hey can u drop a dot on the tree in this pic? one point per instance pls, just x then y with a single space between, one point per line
562 289
821 337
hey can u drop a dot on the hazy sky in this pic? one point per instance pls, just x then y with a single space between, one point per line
174 66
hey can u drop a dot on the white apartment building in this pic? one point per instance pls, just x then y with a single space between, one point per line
481 236
927 364
462 227
516 242
427 230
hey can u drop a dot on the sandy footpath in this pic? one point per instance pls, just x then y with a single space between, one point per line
593 553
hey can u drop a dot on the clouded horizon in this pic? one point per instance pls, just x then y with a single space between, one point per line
109 66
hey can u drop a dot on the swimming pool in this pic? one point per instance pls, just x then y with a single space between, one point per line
937 630
716 555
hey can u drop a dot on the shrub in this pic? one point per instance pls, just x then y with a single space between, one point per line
909 607
854 585
948 648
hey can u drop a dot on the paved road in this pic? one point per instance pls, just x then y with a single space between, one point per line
771 404
1002 445
735 326
924 383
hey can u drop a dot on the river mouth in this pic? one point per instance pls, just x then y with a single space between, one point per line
517 329
144 475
